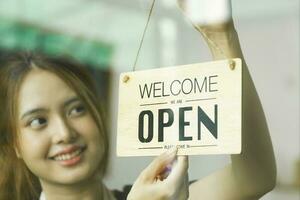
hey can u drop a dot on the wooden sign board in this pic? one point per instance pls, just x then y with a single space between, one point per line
196 107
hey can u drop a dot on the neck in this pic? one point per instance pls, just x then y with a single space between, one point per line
89 190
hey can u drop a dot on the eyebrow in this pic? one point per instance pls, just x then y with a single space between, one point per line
36 110
71 100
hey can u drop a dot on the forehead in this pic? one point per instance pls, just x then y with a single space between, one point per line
41 88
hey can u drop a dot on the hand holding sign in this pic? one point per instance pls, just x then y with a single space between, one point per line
207 13
151 186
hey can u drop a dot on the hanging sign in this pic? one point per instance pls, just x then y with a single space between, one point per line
196 107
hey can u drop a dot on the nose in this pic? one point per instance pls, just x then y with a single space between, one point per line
63 132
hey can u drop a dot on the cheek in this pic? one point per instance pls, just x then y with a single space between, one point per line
33 146
34 152
88 129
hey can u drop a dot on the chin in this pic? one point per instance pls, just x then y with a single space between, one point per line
76 176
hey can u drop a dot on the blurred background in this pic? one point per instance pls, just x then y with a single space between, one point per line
105 34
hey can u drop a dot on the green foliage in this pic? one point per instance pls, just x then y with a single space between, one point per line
20 36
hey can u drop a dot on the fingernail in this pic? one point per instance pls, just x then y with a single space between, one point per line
169 168
172 151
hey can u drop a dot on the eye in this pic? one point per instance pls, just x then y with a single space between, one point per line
77 111
37 123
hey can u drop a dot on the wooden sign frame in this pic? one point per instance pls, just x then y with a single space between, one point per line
196 107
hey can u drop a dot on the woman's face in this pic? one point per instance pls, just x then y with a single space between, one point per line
58 138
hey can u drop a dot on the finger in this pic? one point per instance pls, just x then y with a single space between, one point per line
183 191
178 172
207 12
158 165
181 4
165 173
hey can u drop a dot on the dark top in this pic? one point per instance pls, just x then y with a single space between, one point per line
122 195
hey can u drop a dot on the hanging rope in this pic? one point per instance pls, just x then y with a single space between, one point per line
231 62
143 36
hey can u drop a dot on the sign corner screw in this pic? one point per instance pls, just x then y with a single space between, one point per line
126 79
232 64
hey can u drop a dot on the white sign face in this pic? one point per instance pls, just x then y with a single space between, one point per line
196 107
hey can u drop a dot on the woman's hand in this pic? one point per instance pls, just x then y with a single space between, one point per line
215 14
213 19
165 178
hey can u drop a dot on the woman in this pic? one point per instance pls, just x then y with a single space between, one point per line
52 131
53 137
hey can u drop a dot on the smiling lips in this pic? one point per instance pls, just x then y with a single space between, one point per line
70 156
